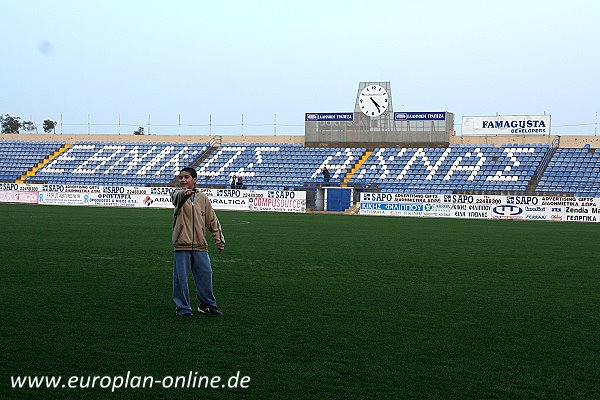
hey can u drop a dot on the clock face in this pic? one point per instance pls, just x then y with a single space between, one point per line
373 100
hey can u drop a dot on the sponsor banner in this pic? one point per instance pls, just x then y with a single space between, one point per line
434 205
420 116
154 201
530 208
236 199
17 196
542 208
507 211
209 192
82 189
9 186
397 209
557 213
49 187
297 204
114 200
265 193
506 125
569 201
257 200
341 116
401 197
471 210
557 208
63 198
523 200
285 194
113 189
473 199
141 190
581 217
587 209
418 198
229 203
473 206
35 187
162 190
543 213
438 210
223 192
20 187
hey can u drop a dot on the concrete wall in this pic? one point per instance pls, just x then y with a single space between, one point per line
565 141
153 138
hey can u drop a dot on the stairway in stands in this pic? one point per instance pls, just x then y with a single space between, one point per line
356 167
214 144
33 170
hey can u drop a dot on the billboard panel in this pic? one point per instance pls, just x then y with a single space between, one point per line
506 125
420 116
342 116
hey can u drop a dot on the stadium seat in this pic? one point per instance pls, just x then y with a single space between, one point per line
128 164
486 168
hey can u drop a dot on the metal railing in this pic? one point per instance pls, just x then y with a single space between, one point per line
546 159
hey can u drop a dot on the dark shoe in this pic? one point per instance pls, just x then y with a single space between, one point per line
208 310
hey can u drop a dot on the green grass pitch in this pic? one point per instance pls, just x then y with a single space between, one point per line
316 306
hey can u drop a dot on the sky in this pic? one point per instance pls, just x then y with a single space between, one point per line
256 67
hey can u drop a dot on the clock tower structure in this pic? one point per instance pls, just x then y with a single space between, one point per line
373 109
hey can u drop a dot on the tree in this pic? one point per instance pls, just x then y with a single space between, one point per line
10 124
49 125
28 126
139 131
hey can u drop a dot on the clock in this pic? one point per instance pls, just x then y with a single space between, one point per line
373 100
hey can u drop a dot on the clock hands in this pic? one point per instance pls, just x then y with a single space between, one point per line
376 105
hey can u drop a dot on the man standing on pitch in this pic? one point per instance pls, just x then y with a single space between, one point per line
193 212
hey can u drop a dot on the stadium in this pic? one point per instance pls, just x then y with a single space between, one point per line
429 264
377 157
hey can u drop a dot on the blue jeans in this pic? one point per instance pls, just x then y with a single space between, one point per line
199 263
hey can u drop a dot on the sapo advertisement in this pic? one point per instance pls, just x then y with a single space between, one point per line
527 208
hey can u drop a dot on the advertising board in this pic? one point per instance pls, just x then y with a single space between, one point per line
506 125
529 208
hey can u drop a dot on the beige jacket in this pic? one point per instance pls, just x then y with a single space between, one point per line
190 219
